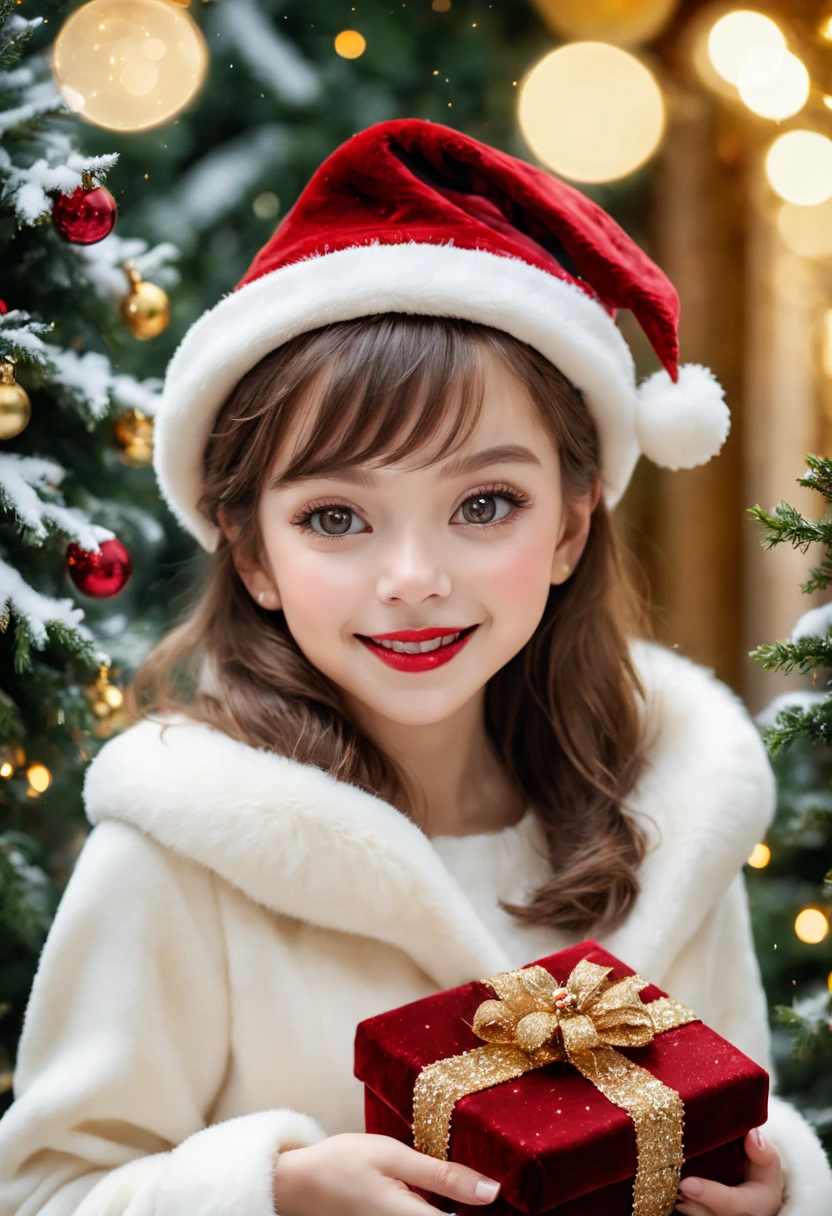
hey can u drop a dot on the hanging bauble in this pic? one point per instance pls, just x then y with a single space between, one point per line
129 64
623 22
103 574
87 215
145 310
133 436
106 702
15 406
4 308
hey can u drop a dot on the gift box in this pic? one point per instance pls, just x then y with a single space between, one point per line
578 1085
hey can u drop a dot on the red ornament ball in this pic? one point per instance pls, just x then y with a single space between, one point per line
85 216
103 574
4 308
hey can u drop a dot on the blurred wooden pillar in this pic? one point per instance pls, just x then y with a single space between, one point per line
782 388
696 516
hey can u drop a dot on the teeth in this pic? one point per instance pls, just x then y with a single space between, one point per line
419 647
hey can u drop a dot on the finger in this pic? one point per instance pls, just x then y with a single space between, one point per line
447 1178
734 1200
410 1205
763 1164
691 1208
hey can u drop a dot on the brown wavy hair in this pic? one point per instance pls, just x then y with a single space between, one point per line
563 714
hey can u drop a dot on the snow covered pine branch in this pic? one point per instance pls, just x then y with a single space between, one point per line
39 161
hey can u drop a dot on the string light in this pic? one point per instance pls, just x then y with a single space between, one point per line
799 167
811 926
591 111
738 35
266 205
128 67
777 93
760 856
39 777
349 44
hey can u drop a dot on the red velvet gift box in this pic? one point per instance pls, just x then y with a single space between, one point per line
552 1139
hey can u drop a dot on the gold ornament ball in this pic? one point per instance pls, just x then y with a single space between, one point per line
128 65
624 22
15 409
133 436
146 310
110 725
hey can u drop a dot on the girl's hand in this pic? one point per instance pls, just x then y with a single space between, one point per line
358 1174
760 1195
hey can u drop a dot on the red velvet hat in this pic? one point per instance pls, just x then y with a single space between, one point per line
411 216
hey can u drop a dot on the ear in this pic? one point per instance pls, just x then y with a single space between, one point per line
574 533
256 579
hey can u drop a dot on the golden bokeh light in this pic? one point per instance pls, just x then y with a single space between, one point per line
738 35
591 112
128 65
625 22
799 167
349 44
778 92
6 769
760 856
807 230
39 777
811 926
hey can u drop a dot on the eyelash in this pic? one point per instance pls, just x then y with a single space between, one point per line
519 502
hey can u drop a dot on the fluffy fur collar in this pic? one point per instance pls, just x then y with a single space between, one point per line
302 843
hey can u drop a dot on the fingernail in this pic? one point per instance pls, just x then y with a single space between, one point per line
691 1186
486 1190
758 1136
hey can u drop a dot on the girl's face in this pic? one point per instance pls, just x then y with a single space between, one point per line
445 546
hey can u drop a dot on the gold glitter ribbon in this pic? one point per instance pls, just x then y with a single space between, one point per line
535 1022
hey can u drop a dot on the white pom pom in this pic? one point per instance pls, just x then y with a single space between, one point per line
685 424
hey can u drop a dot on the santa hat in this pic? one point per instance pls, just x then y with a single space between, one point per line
410 216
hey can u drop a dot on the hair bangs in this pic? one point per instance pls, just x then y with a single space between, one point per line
387 394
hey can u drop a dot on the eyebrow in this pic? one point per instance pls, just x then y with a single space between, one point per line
506 453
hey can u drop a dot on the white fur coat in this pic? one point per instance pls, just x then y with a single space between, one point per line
234 914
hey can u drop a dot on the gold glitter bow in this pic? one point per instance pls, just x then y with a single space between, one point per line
536 1022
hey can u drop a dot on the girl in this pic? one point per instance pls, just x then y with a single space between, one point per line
412 731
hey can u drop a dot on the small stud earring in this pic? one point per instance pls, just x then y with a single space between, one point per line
566 568
260 597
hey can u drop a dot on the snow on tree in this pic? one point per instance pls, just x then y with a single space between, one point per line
797 880
62 482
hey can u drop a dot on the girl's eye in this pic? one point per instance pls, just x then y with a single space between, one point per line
481 513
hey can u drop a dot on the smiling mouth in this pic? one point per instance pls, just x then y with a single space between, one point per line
463 633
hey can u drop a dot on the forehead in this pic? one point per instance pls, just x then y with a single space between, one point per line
509 429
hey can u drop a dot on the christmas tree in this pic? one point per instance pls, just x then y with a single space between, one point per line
210 185
790 881
77 510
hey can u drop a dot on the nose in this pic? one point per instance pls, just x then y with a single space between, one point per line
413 571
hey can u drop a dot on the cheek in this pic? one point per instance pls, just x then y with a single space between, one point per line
312 584
521 570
